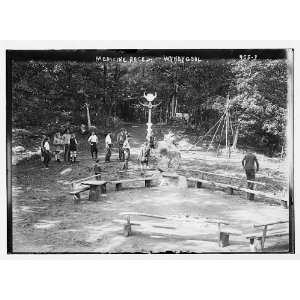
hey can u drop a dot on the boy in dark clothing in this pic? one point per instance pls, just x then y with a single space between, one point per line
152 141
73 148
120 139
97 169
251 166
144 156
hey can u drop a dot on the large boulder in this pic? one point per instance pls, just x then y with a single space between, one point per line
169 159
169 156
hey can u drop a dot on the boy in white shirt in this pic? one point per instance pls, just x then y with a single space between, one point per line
47 154
93 141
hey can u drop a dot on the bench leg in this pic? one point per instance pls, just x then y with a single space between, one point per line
147 183
223 239
250 196
95 193
76 198
103 189
127 228
198 184
284 204
118 186
230 191
256 245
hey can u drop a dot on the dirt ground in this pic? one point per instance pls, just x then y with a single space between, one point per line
45 218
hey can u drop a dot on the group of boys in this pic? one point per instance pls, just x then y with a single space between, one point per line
66 144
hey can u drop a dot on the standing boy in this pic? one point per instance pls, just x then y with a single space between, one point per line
47 154
73 148
59 145
108 146
66 138
93 141
120 139
144 156
126 149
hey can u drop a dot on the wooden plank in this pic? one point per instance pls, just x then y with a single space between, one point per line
269 224
129 180
79 190
213 183
142 215
123 222
83 179
259 193
170 175
270 233
94 182
226 176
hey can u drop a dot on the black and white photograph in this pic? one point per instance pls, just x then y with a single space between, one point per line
159 151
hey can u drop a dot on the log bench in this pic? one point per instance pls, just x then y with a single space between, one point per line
230 188
224 232
76 192
223 229
118 183
77 186
258 237
96 187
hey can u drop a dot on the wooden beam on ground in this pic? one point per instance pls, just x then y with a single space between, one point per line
258 193
269 224
226 176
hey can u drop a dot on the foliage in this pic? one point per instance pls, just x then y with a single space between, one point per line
45 93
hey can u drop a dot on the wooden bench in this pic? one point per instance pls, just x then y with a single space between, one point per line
223 229
226 176
96 187
76 192
77 187
224 232
118 183
230 188
199 182
257 238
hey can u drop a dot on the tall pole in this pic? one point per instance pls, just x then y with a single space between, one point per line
149 98
226 127
149 124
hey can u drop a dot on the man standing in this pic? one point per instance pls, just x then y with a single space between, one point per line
93 141
249 162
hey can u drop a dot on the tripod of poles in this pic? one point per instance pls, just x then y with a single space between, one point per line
223 124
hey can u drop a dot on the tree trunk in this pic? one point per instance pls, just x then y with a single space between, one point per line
235 138
88 115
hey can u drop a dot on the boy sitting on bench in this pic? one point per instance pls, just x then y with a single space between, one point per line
97 169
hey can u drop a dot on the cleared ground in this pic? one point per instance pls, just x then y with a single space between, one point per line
45 218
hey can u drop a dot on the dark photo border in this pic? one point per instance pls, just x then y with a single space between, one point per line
90 56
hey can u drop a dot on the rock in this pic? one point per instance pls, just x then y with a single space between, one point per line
174 181
66 171
169 156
